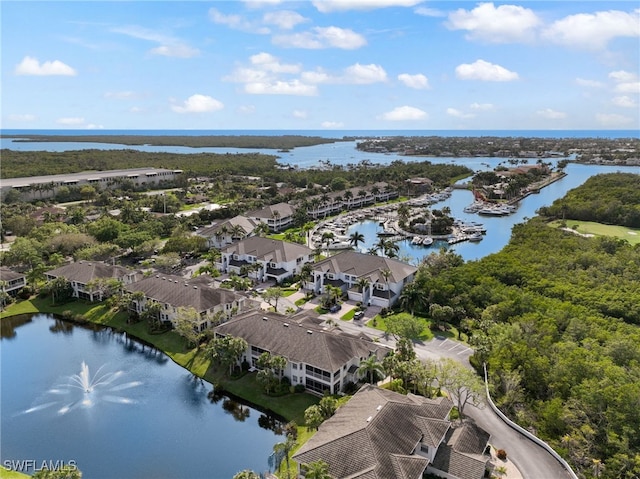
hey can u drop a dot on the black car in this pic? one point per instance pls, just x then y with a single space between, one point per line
335 308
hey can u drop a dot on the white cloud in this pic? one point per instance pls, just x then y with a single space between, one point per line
198 104
261 3
355 74
332 124
365 74
280 87
594 31
623 76
459 114
176 51
169 46
550 114
326 6
485 71
31 66
629 87
322 37
24 118
70 121
429 12
418 81
403 113
613 119
624 102
93 126
268 62
236 22
481 106
589 83
504 24
284 19
300 114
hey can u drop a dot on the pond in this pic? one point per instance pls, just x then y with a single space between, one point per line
117 408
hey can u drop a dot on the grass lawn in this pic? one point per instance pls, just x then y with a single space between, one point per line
7 474
632 235
348 315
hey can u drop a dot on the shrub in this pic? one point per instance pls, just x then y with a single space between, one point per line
299 388
501 454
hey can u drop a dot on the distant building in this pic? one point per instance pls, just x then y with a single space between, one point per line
45 187
81 273
385 277
11 282
173 292
224 233
278 217
267 259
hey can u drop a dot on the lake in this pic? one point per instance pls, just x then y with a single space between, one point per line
145 417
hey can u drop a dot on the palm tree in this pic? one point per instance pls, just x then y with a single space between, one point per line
285 447
262 229
327 238
355 238
385 273
363 283
317 470
412 298
371 369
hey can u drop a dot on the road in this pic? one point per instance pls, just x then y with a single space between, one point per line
532 460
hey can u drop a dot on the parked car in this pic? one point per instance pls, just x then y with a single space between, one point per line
358 315
334 308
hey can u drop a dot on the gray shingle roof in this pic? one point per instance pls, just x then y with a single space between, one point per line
297 341
461 454
247 224
7 274
85 271
282 209
365 266
178 291
377 430
267 249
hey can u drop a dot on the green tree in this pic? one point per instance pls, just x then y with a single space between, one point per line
371 369
226 350
246 474
316 470
273 294
356 238
64 472
285 447
186 323
462 384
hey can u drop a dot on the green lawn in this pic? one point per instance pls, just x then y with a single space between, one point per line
632 235
348 315
7 474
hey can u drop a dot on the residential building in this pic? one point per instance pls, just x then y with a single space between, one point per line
173 292
381 434
373 280
278 217
44 187
221 234
264 259
11 282
84 274
322 360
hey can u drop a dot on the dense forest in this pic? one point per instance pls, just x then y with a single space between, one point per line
32 163
556 318
612 199
210 141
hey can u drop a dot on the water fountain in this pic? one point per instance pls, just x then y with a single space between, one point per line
93 389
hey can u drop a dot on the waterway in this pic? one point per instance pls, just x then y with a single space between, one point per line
147 418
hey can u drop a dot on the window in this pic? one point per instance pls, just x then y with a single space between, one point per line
316 386
294 378
294 366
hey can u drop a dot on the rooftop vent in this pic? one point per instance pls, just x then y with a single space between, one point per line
369 418
379 407
286 325
264 318
309 331
195 287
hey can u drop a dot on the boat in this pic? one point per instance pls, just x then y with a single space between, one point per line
427 241
339 245
475 237
386 232
416 240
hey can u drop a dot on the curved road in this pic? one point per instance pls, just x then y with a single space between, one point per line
533 461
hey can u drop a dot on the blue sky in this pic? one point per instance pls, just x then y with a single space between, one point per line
326 64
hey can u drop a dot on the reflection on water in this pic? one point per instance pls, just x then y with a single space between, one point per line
114 420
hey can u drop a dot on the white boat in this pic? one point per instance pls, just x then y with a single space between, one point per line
427 241
475 237
339 245
416 240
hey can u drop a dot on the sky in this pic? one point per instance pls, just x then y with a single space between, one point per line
321 64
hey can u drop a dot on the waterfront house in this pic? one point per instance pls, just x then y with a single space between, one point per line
383 434
83 276
264 259
278 217
172 292
320 359
11 282
373 280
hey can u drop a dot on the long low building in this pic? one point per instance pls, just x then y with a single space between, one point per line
44 187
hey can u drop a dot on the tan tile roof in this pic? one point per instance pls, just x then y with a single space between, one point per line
377 430
85 271
299 342
366 266
267 249
178 291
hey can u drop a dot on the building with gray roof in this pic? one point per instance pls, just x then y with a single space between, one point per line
84 277
322 360
380 434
